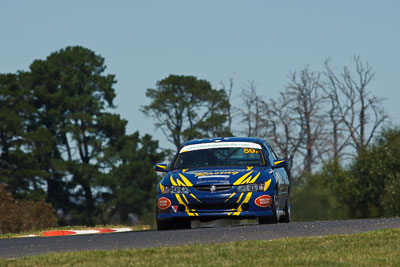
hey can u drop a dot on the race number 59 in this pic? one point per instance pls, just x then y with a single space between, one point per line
249 150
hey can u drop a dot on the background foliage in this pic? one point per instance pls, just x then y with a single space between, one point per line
187 108
61 143
368 187
24 215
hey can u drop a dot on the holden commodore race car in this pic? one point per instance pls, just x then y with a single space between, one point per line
223 178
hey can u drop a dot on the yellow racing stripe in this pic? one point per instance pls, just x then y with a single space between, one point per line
185 180
247 180
255 178
185 198
172 181
240 197
161 188
193 196
246 199
230 196
186 208
179 182
266 185
240 180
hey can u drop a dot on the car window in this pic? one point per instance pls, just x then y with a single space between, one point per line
224 156
271 154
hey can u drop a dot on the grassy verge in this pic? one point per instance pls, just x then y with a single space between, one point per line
76 227
378 248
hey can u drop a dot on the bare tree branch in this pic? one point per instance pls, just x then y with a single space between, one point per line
348 93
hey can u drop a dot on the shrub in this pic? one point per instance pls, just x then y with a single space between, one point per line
23 215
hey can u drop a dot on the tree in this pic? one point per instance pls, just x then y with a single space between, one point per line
18 170
56 134
228 92
368 187
304 94
71 95
132 180
337 139
361 113
251 114
376 176
387 153
282 131
293 123
185 108
312 200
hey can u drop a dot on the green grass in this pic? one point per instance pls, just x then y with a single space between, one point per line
378 248
76 227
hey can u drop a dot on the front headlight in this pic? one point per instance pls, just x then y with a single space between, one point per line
176 190
185 190
250 188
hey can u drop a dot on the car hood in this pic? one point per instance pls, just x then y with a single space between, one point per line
216 176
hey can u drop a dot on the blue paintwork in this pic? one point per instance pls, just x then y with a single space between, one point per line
230 175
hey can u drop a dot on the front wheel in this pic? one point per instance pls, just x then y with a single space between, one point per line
275 213
164 225
173 224
286 218
182 224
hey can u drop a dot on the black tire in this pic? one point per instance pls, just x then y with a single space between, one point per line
164 225
275 213
173 224
182 224
286 218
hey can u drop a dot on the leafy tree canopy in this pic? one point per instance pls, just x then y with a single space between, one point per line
368 187
186 108
60 142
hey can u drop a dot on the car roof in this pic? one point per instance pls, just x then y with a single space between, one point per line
224 139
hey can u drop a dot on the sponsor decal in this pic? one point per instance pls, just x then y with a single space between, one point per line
164 203
215 174
219 145
175 208
212 181
263 201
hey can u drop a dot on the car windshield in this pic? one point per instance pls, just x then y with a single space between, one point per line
220 156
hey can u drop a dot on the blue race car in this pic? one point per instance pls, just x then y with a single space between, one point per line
223 178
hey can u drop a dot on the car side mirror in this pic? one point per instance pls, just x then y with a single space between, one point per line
161 167
279 164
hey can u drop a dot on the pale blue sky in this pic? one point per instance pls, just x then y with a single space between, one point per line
262 41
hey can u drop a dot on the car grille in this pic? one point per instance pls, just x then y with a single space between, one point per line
213 206
213 188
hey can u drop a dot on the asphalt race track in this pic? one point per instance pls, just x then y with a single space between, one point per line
19 247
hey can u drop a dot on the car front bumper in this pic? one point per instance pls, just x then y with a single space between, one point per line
231 205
